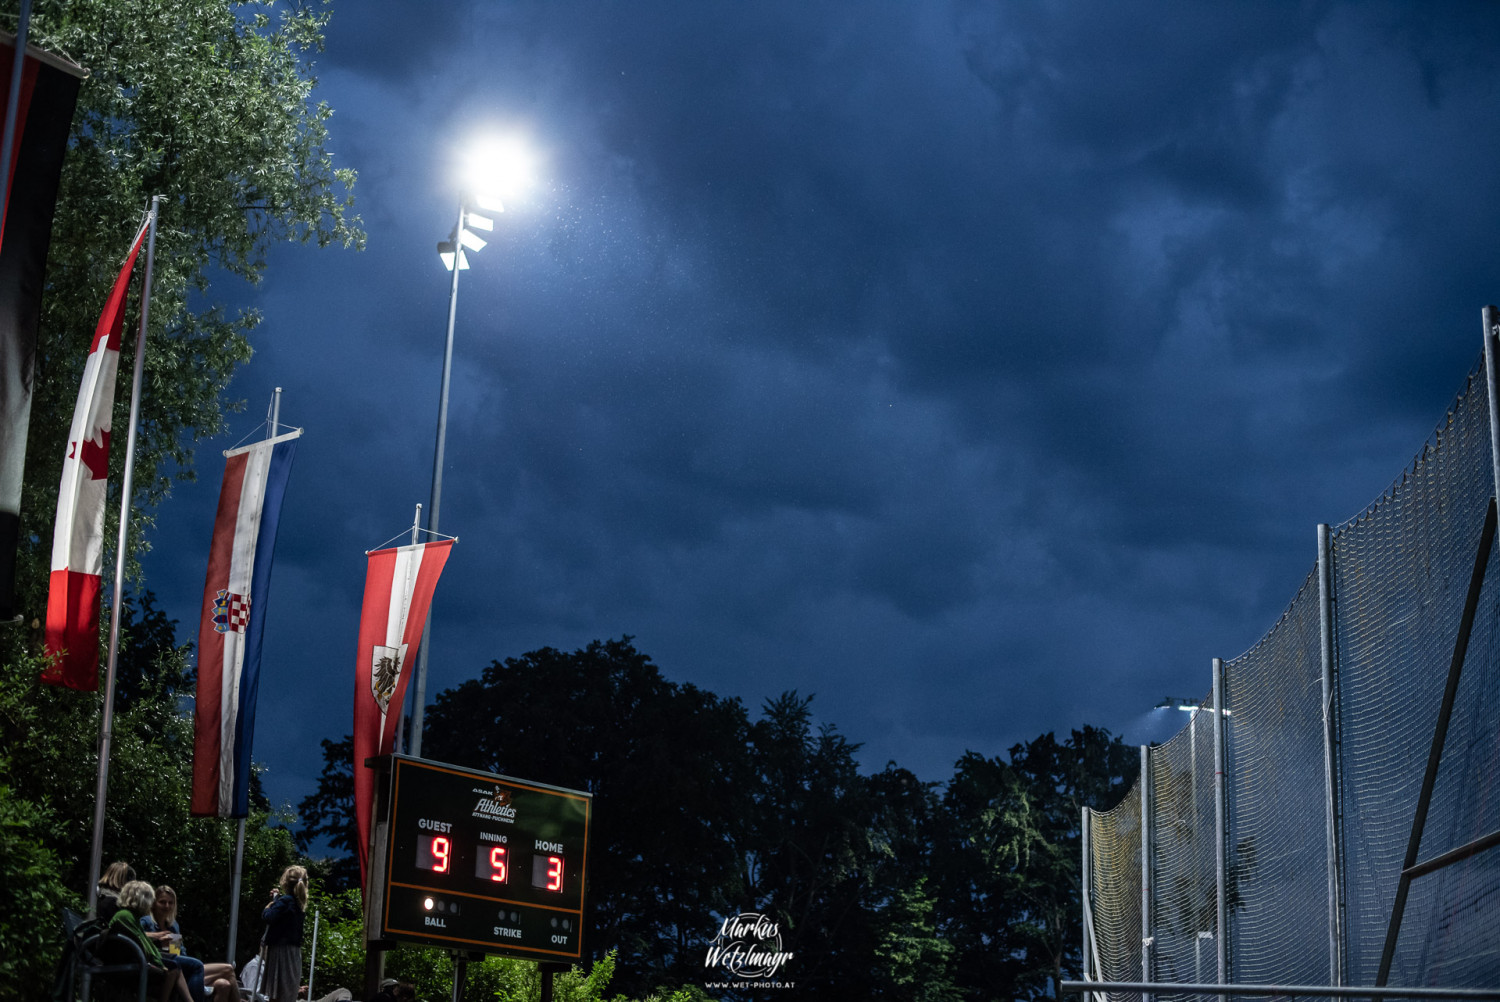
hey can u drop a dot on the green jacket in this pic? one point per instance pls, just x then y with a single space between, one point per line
126 924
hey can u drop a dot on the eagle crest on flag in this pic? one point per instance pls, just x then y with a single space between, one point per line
385 672
231 612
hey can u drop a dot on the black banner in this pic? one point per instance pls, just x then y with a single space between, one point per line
44 115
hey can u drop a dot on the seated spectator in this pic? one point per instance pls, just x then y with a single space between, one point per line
161 926
135 900
107 893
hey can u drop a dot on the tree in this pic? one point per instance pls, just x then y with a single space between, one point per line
210 106
327 815
808 852
48 766
879 888
1007 867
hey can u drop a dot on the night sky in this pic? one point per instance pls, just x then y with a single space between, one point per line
981 368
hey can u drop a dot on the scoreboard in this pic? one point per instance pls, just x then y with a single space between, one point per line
478 862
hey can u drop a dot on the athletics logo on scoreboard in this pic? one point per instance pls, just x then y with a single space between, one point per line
494 805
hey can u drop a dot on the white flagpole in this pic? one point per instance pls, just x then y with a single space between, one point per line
96 855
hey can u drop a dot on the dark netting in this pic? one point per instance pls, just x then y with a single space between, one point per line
1115 844
1184 903
1277 848
1401 574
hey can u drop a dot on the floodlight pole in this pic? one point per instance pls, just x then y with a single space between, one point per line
419 698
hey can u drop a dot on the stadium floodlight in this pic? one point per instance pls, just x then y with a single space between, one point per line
1185 705
497 168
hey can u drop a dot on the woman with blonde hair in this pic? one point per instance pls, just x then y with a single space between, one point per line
161 926
281 975
135 900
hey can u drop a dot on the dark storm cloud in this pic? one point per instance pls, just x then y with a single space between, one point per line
982 367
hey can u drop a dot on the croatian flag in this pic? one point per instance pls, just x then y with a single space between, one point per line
230 626
75 583
399 584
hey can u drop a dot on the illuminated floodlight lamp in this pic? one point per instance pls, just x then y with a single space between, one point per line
495 169
1185 705
445 251
471 240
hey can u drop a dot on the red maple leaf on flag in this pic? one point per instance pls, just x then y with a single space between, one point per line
95 456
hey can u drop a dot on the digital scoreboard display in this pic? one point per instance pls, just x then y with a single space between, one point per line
479 862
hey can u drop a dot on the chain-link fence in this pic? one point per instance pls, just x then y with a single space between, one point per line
1341 825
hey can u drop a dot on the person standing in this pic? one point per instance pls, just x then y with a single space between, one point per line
281 976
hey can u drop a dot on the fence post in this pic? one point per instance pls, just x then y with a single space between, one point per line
1491 318
1086 883
1147 941
1330 762
1221 817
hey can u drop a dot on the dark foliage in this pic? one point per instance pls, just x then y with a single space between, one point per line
882 886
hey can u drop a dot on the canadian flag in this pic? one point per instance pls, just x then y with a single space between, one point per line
399 584
78 536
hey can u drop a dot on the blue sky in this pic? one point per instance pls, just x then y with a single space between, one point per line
982 368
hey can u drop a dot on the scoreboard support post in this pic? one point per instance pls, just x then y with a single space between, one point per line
374 948
547 970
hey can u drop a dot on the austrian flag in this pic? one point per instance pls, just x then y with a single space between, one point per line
398 589
78 536
230 623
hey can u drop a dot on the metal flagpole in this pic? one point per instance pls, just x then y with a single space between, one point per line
96 852
239 841
312 965
234 893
